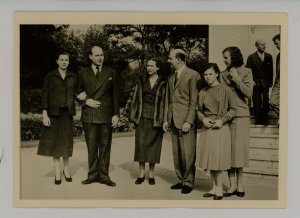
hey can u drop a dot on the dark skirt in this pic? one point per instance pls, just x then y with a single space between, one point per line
148 142
57 140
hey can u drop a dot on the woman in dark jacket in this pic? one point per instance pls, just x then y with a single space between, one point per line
58 103
145 109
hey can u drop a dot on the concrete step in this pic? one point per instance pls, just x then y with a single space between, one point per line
261 171
265 155
271 120
269 147
263 164
261 129
264 139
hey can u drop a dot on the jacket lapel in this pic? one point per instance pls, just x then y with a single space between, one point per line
258 58
182 75
104 74
90 75
226 78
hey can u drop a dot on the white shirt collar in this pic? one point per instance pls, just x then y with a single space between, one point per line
94 67
261 54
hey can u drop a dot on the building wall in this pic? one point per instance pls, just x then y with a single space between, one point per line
242 36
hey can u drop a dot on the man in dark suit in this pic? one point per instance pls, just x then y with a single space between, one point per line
179 116
97 86
261 64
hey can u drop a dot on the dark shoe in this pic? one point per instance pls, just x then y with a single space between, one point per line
240 194
89 181
107 182
186 189
177 186
57 182
68 179
151 181
216 197
229 194
208 195
139 180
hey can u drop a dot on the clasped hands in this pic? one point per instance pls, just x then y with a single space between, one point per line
215 124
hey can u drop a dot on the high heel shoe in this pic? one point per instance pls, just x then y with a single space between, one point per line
68 179
151 181
57 182
229 194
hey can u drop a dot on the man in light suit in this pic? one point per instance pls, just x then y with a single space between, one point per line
179 117
98 86
261 64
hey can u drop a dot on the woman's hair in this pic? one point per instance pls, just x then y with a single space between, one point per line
236 56
158 63
62 53
276 37
213 66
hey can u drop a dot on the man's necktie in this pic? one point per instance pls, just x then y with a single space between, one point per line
176 78
97 72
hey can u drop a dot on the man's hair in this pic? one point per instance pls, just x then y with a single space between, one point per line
90 50
276 37
257 42
235 55
180 53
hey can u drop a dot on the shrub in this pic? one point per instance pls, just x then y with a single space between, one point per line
30 100
123 125
31 125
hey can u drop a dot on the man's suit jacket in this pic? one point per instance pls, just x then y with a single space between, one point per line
103 89
262 71
181 100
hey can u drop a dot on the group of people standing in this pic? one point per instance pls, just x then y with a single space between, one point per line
156 105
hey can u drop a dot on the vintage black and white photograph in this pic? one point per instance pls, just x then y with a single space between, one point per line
149 112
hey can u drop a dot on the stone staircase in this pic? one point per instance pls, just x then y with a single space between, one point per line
264 149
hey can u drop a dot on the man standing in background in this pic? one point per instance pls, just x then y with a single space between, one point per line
261 64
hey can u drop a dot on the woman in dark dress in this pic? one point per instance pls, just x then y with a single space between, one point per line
145 108
216 107
58 104
240 80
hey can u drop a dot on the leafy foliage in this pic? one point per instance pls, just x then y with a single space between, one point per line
126 49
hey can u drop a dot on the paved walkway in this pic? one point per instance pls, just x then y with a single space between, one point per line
37 177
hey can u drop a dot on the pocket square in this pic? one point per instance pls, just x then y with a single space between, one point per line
110 78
